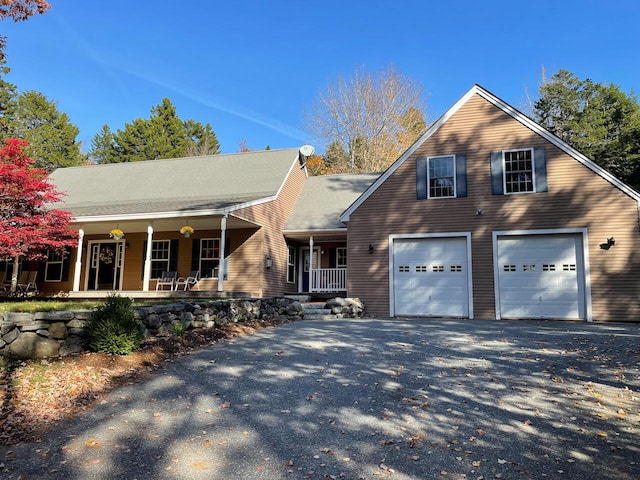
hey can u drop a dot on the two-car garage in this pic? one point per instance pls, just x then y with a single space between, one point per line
536 275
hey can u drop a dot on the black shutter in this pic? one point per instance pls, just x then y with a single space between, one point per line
540 168
421 178
173 256
195 256
66 265
461 175
332 258
227 252
497 183
144 255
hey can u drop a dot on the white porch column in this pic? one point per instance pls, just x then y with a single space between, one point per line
147 260
222 265
311 264
78 270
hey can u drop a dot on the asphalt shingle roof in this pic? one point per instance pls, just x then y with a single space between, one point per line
180 184
324 198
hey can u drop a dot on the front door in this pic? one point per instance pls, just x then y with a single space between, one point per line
306 264
105 265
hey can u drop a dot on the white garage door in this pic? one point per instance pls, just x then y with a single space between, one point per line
541 276
430 277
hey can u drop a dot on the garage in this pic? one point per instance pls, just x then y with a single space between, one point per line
540 276
431 277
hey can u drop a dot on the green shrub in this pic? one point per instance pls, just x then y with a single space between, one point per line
113 328
178 328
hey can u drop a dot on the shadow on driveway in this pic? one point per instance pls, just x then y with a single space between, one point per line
368 399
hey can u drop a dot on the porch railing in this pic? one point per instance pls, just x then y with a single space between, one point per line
328 279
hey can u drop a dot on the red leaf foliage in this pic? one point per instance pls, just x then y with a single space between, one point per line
28 225
19 10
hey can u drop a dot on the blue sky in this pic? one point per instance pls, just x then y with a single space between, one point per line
249 68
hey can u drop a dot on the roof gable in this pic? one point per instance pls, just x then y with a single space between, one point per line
208 183
514 113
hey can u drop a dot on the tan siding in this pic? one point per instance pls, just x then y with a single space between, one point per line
577 198
272 216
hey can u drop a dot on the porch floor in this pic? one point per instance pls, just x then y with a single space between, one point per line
160 294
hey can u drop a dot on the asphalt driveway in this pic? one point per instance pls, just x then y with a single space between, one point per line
368 399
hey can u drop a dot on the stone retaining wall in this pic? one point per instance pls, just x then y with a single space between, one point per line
45 334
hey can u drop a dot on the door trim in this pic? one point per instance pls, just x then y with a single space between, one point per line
417 236
558 231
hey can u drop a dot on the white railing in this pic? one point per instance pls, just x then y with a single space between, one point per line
329 279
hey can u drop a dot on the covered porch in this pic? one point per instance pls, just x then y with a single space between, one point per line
323 261
132 263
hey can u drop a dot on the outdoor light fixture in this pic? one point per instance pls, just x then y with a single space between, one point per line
371 248
268 262
611 241
479 211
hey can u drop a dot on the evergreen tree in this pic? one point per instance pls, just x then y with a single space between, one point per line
599 120
163 135
49 132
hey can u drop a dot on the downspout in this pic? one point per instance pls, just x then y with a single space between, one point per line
147 260
222 265
78 269
311 264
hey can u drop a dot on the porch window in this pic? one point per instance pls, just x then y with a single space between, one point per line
291 265
341 257
209 257
160 257
53 268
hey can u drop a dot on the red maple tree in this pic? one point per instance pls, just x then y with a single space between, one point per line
29 227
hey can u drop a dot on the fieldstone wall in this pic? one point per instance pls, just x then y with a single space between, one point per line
46 334
345 307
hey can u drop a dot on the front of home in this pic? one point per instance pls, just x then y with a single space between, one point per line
487 215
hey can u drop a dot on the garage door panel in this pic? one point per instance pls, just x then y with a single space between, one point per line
430 277
541 276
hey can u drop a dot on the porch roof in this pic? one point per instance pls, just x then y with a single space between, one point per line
213 183
322 201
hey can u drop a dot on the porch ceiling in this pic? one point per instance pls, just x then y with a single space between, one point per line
209 222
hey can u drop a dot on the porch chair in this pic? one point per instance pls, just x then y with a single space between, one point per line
189 280
27 282
167 279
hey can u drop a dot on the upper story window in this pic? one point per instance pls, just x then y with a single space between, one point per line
442 177
518 171
522 170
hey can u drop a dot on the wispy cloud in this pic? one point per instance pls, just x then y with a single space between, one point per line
244 114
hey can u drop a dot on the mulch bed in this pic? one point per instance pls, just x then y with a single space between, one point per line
37 395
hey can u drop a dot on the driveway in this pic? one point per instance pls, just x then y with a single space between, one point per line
368 399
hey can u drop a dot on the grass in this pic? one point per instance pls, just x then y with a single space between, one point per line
46 306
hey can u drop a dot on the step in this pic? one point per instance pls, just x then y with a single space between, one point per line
316 311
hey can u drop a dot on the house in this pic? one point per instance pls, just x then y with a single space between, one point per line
488 215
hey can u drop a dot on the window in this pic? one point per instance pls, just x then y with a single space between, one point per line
291 265
341 257
518 171
441 177
522 170
53 268
209 257
160 257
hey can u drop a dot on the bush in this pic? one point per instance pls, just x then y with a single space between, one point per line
113 328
